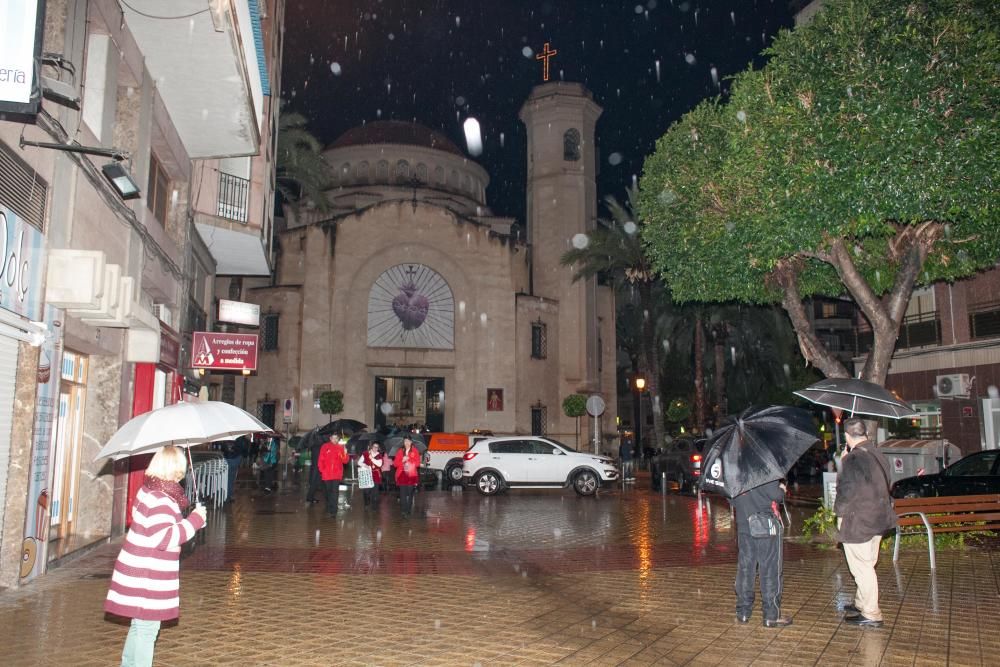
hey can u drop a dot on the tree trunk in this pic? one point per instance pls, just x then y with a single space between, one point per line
649 360
721 409
699 373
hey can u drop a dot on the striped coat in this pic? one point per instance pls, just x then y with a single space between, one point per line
145 582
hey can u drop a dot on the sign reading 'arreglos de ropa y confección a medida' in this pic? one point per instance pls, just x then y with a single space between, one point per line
223 351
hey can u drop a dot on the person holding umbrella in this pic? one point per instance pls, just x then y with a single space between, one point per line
332 458
407 466
747 460
145 584
864 513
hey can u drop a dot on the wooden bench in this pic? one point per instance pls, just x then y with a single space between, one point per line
945 514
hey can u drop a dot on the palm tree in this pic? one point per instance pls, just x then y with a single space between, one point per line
615 249
301 173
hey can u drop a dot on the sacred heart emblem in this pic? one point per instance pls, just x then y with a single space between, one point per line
410 306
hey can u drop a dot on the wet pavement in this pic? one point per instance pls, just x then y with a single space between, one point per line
526 578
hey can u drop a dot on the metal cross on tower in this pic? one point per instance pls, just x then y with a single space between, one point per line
544 57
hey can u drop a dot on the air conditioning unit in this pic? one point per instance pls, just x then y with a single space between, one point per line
953 386
162 312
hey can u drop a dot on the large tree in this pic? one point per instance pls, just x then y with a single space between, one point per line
615 248
861 160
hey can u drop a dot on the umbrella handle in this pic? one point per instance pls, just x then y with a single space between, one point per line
195 481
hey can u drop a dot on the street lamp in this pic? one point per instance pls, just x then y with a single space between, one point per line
640 385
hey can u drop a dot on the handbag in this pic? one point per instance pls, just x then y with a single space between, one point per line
365 478
763 524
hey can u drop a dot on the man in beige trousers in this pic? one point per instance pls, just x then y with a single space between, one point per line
864 510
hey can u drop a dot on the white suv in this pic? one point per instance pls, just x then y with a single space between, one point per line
495 464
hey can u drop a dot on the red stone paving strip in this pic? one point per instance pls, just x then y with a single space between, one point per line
327 561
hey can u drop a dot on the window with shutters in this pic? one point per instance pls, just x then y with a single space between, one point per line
158 190
269 332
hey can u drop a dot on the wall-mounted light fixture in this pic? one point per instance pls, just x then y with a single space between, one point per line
116 173
121 180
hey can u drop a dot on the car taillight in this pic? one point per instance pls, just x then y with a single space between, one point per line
695 458
468 456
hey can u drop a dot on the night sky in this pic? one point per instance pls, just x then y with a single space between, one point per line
439 62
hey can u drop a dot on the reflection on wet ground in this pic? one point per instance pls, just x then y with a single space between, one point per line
528 577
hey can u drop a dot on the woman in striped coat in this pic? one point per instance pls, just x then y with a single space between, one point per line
145 583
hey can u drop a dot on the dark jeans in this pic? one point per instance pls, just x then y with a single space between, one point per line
406 498
315 482
763 555
269 477
234 468
332 495
371 497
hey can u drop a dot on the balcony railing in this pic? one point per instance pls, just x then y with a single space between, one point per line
984 321
234 192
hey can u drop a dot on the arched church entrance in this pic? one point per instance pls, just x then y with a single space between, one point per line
409 402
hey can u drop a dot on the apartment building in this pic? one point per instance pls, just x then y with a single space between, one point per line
136 159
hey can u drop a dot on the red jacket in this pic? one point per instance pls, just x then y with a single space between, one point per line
332 458
407 467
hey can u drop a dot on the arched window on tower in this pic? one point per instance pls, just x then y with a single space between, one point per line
382 172
422 172
438 176
361 172
571 145
402 171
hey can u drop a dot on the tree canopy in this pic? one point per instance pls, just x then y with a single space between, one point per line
861 159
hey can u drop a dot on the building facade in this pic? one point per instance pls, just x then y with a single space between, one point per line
103 172
423 307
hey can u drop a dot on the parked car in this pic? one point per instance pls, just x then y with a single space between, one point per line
493 465
681 462
971 475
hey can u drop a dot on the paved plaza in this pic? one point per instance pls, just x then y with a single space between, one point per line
526 578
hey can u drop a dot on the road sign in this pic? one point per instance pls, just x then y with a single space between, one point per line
595 405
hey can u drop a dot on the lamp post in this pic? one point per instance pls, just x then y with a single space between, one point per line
640 385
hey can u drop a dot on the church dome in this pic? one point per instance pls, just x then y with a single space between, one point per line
396 132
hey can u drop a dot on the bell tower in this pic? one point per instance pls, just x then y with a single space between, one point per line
562 209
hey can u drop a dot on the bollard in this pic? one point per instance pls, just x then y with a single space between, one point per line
663 483
439 474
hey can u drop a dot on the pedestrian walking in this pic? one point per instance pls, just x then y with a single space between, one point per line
758 533
387 475
145 583
627 457
370 474
233 451
315 479
332 457
407 466
269 464
864 513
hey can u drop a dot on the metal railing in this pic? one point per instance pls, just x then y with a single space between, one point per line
234 194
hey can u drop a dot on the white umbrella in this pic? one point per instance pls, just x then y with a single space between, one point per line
181 424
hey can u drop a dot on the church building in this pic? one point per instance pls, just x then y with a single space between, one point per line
422 307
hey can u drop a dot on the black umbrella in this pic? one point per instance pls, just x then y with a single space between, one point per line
394 442
343 427
311 439
359 442
757 447
856 397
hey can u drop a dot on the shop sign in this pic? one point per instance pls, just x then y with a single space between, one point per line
170 348
238 312
20 48
22 258
224 351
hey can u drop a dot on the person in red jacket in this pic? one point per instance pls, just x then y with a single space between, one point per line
332 457
407 466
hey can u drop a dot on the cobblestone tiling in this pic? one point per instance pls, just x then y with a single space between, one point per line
527 578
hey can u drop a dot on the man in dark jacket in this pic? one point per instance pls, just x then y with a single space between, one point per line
864 513
760 553
315 479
